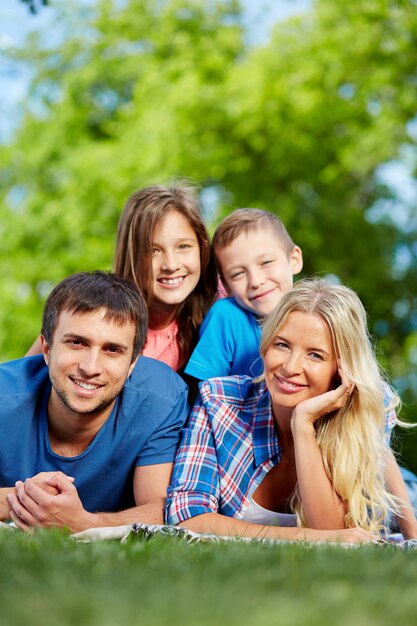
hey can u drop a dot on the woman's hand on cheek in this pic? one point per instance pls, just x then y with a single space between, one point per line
308 411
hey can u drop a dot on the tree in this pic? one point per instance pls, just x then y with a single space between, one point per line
77 155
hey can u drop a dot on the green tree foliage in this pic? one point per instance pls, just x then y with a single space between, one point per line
140 91
115 106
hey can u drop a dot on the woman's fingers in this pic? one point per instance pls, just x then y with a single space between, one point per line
346 383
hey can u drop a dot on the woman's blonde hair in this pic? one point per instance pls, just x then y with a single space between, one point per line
138 222
351 440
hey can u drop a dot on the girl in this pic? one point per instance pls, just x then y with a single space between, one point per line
164 248
306 444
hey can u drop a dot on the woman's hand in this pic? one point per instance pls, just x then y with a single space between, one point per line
345 535
322 506
309 411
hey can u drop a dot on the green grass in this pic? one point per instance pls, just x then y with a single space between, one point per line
49 580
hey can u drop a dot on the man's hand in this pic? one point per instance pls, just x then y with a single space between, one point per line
47 500
42 480
50 499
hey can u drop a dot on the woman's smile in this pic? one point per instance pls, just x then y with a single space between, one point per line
288 386
301 362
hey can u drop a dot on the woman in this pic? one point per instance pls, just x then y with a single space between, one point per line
302 452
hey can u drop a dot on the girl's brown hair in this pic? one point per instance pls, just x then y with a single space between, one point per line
140 217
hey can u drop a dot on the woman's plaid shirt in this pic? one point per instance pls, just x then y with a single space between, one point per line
227 448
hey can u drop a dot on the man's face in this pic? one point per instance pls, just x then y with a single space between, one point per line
89 361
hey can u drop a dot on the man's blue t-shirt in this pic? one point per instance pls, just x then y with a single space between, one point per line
142 429
228 344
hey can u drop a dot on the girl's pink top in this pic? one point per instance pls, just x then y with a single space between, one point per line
162 345
221 290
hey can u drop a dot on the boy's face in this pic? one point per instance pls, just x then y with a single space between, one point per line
257 271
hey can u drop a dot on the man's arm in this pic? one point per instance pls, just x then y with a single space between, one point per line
32 507
4 505
150 485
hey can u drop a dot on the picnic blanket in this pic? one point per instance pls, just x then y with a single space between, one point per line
144 532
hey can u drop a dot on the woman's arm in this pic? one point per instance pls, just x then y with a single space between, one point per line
406 521
194 487
221 525
323 507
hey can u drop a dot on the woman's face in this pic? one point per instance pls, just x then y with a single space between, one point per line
176 263
301 362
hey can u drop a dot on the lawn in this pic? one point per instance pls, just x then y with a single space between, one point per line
49 580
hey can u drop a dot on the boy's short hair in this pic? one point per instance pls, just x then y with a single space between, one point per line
246 220
87 292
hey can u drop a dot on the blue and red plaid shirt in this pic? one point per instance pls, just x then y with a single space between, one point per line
227 448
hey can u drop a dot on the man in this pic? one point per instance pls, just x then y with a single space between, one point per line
88 431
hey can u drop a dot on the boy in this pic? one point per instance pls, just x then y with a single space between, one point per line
257 260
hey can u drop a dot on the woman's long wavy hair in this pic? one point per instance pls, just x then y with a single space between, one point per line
351 440
138 222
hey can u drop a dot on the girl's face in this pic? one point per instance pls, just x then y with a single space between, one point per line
175 260
301 362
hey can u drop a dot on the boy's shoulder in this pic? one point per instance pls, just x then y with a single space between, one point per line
228 344
229 307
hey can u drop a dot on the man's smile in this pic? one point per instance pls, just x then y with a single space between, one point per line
85 385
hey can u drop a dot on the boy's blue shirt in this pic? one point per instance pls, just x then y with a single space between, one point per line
228 344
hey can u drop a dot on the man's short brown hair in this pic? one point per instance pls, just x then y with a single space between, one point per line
87 292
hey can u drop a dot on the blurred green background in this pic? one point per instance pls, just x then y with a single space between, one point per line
316 121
